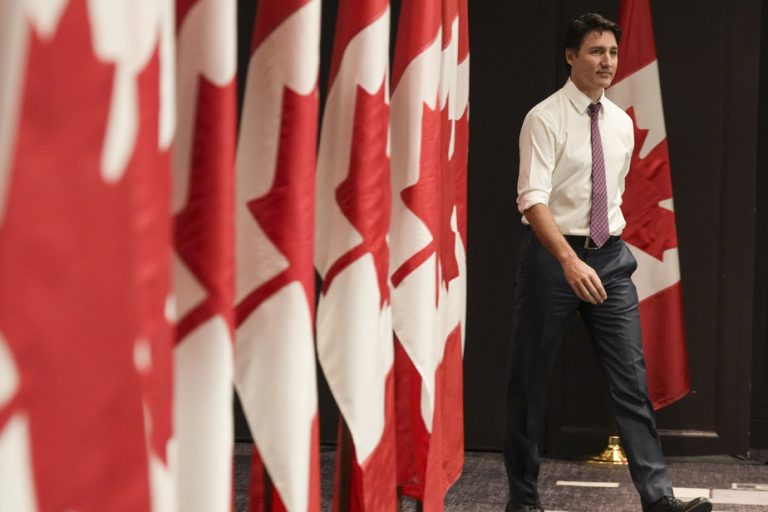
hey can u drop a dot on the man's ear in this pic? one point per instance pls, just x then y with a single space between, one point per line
569 56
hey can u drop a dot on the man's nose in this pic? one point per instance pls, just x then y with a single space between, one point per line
606 60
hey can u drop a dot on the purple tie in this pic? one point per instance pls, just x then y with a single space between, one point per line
598 217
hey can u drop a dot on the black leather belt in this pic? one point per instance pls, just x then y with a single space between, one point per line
587 242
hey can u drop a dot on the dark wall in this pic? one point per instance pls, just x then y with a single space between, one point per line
759 415
708 53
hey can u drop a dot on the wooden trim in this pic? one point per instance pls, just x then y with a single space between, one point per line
698 434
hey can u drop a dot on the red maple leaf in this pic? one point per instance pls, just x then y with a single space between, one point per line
432 199
458 166
204 229
286 213
650 227
71 265
364 196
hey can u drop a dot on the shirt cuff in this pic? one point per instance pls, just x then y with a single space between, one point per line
525 201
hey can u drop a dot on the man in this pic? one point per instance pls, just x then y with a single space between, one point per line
575 150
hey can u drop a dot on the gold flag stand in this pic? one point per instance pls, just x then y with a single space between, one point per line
612 457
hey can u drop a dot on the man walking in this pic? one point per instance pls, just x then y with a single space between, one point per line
575 151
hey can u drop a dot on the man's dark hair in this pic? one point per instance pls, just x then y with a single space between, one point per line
586 23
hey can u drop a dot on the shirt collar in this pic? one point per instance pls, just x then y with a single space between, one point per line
579 100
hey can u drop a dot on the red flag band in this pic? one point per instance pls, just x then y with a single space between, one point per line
204 162
85 243
429 148
275 358
354 326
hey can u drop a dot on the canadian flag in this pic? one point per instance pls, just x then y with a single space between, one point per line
203 206
648 208
86 124
354 326
429 157
275 353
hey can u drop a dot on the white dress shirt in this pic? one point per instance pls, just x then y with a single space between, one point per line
556 159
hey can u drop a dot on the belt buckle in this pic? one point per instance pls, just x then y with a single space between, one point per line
589 243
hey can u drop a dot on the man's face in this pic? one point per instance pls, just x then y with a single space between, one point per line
594 65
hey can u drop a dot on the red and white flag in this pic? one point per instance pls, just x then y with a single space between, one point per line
203 207
354 327
275 352
86 125
648 208
429 157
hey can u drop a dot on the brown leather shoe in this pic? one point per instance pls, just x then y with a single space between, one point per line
672 504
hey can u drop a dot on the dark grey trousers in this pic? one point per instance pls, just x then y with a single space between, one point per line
544 302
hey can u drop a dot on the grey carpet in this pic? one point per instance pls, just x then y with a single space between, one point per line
483 487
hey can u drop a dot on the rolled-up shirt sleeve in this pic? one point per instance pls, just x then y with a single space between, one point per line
537 162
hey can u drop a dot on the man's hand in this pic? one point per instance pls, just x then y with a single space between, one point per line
584 281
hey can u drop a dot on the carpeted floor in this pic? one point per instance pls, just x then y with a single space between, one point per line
570 486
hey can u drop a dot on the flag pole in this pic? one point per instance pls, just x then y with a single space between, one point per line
612 456
268 488
345 467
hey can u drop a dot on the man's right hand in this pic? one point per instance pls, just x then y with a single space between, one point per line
584 281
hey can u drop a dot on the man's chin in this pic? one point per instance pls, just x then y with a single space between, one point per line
605 81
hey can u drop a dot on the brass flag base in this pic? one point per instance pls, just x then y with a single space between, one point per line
613 455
